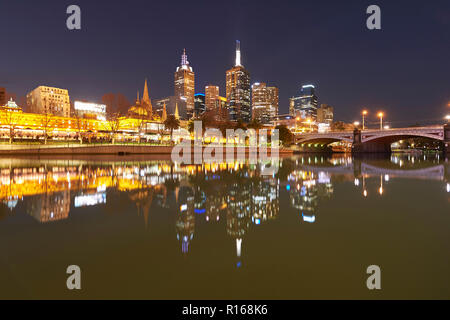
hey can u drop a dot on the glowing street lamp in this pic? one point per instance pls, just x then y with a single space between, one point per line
380 115
447 117
364 114
356 124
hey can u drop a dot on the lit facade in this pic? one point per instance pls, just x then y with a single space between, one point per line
211 97
185 88
238 90
49 100
264 102
169 102
32 125
90 110
305 105
200 106
222 102
325 114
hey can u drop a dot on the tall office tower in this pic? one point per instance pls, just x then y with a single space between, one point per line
2 96
325 114
211 97
264 102
305 105
185 88
200 106
49 100
238 90
169 102
273 98
222 102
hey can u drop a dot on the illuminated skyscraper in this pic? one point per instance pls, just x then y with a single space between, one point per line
211 97
185 88
264 102
238 90
169 102
325 114
199 104
305 106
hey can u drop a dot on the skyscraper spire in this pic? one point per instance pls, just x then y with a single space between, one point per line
184 60
238 54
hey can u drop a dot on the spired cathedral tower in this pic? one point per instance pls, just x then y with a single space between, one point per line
146 102
143 107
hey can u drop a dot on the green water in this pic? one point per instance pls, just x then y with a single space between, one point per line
150 229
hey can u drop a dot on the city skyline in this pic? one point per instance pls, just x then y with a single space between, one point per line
352 68
225 151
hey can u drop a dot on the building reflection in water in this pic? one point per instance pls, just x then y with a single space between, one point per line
185 221
235 191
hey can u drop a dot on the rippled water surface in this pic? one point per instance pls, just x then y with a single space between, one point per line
151 229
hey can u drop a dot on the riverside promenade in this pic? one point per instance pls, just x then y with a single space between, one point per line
96 149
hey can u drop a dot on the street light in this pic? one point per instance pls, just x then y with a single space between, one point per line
447 117
356 124
309 121
380 115
364 113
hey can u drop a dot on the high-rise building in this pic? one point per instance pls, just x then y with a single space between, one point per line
238 90
222 102
305 105
2 96
200 106
325 114
49 100
273 98
169 102
185 88
264 102
211 97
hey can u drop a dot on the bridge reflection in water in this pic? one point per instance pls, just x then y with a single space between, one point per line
373 141
190 198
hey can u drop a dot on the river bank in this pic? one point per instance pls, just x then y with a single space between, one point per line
116 149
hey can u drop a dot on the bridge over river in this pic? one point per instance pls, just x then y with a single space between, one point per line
377 140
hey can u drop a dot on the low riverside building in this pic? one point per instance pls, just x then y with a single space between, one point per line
34 125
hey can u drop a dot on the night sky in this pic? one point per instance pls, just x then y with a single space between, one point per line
403 69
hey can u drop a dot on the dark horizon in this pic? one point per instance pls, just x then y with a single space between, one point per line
402 69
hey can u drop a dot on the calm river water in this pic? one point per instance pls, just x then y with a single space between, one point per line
151 229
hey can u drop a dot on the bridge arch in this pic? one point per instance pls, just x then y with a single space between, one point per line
396 136
381 140
324 138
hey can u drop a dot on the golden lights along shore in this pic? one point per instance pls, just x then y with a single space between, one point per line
34 126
